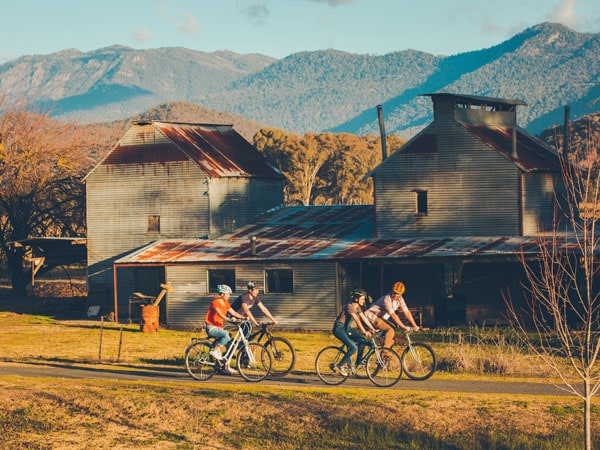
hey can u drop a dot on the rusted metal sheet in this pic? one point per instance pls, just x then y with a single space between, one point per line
218 149
330 244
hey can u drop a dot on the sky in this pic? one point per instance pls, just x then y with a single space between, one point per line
278 28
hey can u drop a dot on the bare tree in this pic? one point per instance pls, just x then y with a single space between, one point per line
42 163
560 320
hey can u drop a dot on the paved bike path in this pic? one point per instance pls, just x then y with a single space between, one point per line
292 380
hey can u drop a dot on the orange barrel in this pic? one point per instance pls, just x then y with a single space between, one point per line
149 319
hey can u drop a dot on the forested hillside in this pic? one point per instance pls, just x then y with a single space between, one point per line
547 66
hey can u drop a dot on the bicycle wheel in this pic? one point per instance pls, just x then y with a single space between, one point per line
284 356
419 361
256 364
384 367
325 364
198 362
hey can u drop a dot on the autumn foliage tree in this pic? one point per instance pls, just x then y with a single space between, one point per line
325 168
42 163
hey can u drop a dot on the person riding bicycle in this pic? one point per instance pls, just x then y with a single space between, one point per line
385 308
344 329
245 302
215 318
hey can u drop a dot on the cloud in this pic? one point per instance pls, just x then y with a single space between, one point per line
564 13
257 13
188 25
142 34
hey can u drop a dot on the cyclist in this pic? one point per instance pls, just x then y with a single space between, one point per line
245 302
385 308
216 316
344 329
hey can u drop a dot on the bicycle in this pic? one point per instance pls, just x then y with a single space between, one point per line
282 351
382 365
253 360
418 358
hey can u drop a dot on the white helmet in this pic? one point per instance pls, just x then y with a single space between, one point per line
224 289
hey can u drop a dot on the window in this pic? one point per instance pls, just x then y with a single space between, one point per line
421 201
153 224
221 276
279 280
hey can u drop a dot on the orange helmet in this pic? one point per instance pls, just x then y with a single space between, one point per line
398 288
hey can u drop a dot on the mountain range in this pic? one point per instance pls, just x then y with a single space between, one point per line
547 66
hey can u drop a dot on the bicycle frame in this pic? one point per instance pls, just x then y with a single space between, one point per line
265 330
239 338
373 347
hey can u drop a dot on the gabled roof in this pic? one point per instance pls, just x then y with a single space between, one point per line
326 233
532 154
477 100
218 149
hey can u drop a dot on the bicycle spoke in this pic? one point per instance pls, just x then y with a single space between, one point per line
198 362
384 367
284 356
325 365
418 361
254 363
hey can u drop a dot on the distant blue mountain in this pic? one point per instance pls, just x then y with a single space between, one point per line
548 66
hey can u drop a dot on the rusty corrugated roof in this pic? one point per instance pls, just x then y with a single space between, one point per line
218 149
334 233
532 154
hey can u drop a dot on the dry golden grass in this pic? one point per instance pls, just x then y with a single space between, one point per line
58 413
76 414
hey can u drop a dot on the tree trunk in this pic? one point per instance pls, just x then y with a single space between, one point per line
17 277
587 413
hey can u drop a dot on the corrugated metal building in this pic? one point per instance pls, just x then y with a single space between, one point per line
453 207
326 251
471 172
172 180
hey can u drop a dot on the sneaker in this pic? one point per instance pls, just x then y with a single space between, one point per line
352 370
230 370
342 370
216 353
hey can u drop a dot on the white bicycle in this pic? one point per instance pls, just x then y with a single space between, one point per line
252 360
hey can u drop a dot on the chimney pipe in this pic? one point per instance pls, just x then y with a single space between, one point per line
567 132
514 143
253 245
382 132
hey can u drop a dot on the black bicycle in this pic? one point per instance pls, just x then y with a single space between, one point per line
282 350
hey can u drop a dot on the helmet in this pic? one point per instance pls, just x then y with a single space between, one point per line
224 289
251 285
398 288
356 294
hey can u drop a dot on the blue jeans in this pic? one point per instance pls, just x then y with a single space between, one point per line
339 331
220 334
